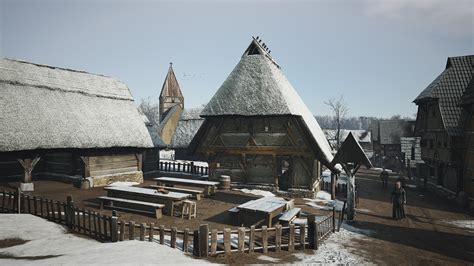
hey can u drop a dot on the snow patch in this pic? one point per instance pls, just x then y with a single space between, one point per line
323 202
47 238
123 184
257 192
464 224
268 258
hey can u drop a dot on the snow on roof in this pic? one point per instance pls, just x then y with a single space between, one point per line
188 125
361 135
45 107
257 87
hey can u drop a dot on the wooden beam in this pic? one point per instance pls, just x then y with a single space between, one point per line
28 166
275 171
87 169
257 150
139 161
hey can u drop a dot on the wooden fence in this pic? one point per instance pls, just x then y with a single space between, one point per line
189 168
341 189
201 242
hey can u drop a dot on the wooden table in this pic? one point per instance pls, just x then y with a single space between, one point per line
209 186
148 195
264 208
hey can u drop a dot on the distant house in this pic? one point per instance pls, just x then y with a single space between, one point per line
363 137
440 126
387 141
76 123
468 126
258 130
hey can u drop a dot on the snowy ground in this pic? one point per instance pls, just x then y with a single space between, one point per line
123 184
323 201
50 239
257 192
465 224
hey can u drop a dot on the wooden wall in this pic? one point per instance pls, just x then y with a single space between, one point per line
114 164
469 155
151 159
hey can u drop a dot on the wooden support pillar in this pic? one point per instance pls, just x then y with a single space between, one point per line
87 169
28 166
203 240
275 171
139 157
333 186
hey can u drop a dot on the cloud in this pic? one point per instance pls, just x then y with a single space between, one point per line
450 16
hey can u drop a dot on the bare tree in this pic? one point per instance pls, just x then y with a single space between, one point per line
339 109
151 110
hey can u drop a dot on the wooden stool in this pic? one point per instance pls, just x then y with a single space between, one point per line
188 208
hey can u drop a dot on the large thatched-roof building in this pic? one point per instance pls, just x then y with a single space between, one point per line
77 123
258 130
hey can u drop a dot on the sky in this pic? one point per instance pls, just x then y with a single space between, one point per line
378 54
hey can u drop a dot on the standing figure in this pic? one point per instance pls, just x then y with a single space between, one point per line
384 178
399 199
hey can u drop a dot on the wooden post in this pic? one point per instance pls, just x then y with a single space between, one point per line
316 236
131 230
35 205
227 247
186 240
142 232
122 230
333 219
291 238
28 203
70 211
196 243
213 242
252 239
96 224
173 236
162 235
48 210
275 171
104 220
3 200
150 232
278 232
241 240
58 206
99 225
87 169
113 228
341 216
311 230
204 240
265 239
302 236
333 186
139 161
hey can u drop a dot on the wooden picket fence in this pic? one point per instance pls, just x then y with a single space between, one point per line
341 189
201 242
189 168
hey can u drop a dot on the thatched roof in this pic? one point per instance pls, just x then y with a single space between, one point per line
188 126
351 152
45 107
257 87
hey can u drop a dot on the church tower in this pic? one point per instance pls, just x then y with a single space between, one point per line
171 94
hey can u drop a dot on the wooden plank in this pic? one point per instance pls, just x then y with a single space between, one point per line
99 225
316 236
241 239
173 236
122 231
213 242
113 228
150 232
104 220
291 238
131 230
264 239
252 239
278 233
89 223
113 171
48 211
227 247
142 231
186 240
204 240
111 158
162 234
60 216
302 236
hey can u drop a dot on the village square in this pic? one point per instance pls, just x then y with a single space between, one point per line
243 172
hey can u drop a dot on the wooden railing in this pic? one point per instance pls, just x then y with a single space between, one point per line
189 168
341 189
204 242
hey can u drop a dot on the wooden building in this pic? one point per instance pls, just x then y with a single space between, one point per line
468 127
438 125
62 123
258 130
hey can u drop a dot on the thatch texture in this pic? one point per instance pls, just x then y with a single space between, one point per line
257 87
45 107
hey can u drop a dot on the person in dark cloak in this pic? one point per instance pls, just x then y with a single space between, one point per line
399 200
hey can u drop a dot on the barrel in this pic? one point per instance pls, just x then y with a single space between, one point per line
225 182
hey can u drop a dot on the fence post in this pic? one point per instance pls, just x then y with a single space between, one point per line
302 236
185 240
131 230
196 243
174 232
311 230
341 216
122 230
252 239
213 242
18 194
264 239
241 240
333 219
70 217
316 235
291 238
204 240
227 247
113 228
278 233
150 232
142 232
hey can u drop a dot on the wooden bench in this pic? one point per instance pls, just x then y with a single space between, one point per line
195 192
128 205
288 216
